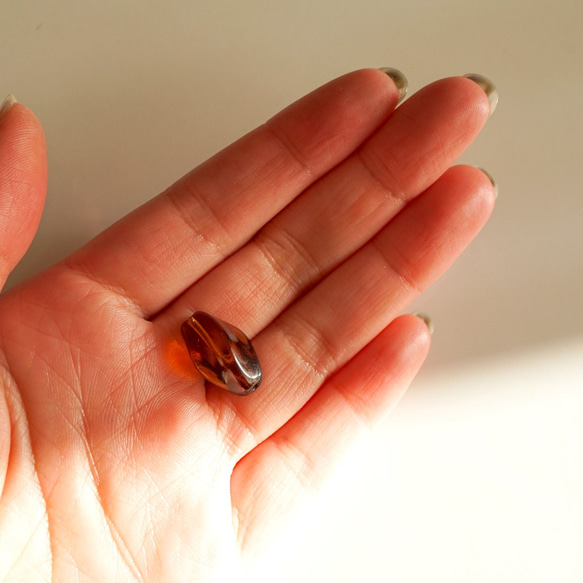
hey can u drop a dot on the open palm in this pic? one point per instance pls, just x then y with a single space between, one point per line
311 234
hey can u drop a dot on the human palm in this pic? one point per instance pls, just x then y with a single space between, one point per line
311 234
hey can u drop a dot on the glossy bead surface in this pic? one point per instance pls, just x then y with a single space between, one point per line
222 353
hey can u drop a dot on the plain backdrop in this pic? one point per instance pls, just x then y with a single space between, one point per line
478 474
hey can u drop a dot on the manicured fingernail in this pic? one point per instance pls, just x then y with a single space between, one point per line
488 87
426 319
399 80
491 179
7 104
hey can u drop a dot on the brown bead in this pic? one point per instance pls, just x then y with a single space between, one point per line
222 354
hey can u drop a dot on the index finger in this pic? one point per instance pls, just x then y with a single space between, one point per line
158 251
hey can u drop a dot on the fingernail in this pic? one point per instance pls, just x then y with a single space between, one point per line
426 319
488 87
7 105
492 180
399 80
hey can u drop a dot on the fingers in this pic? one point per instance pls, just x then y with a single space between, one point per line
329 325
165 246
271 479
343 210
23 182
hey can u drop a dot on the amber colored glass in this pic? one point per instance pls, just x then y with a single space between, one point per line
222 353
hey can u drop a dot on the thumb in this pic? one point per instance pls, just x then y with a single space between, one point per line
23 182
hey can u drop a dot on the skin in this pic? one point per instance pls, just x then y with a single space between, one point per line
312 234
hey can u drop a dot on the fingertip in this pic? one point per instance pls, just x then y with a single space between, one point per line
475 180
384 87
416 330
22 138
23 180
460 94
480 97
402 346
487 87
15 116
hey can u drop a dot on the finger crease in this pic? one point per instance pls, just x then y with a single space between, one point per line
213 219
281 263
291 149
402 269
303 465
386 180
311 349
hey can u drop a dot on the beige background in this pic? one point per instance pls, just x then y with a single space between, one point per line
478 475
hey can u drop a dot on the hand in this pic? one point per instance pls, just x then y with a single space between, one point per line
311 234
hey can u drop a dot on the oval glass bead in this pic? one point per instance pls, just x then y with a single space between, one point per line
222 353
